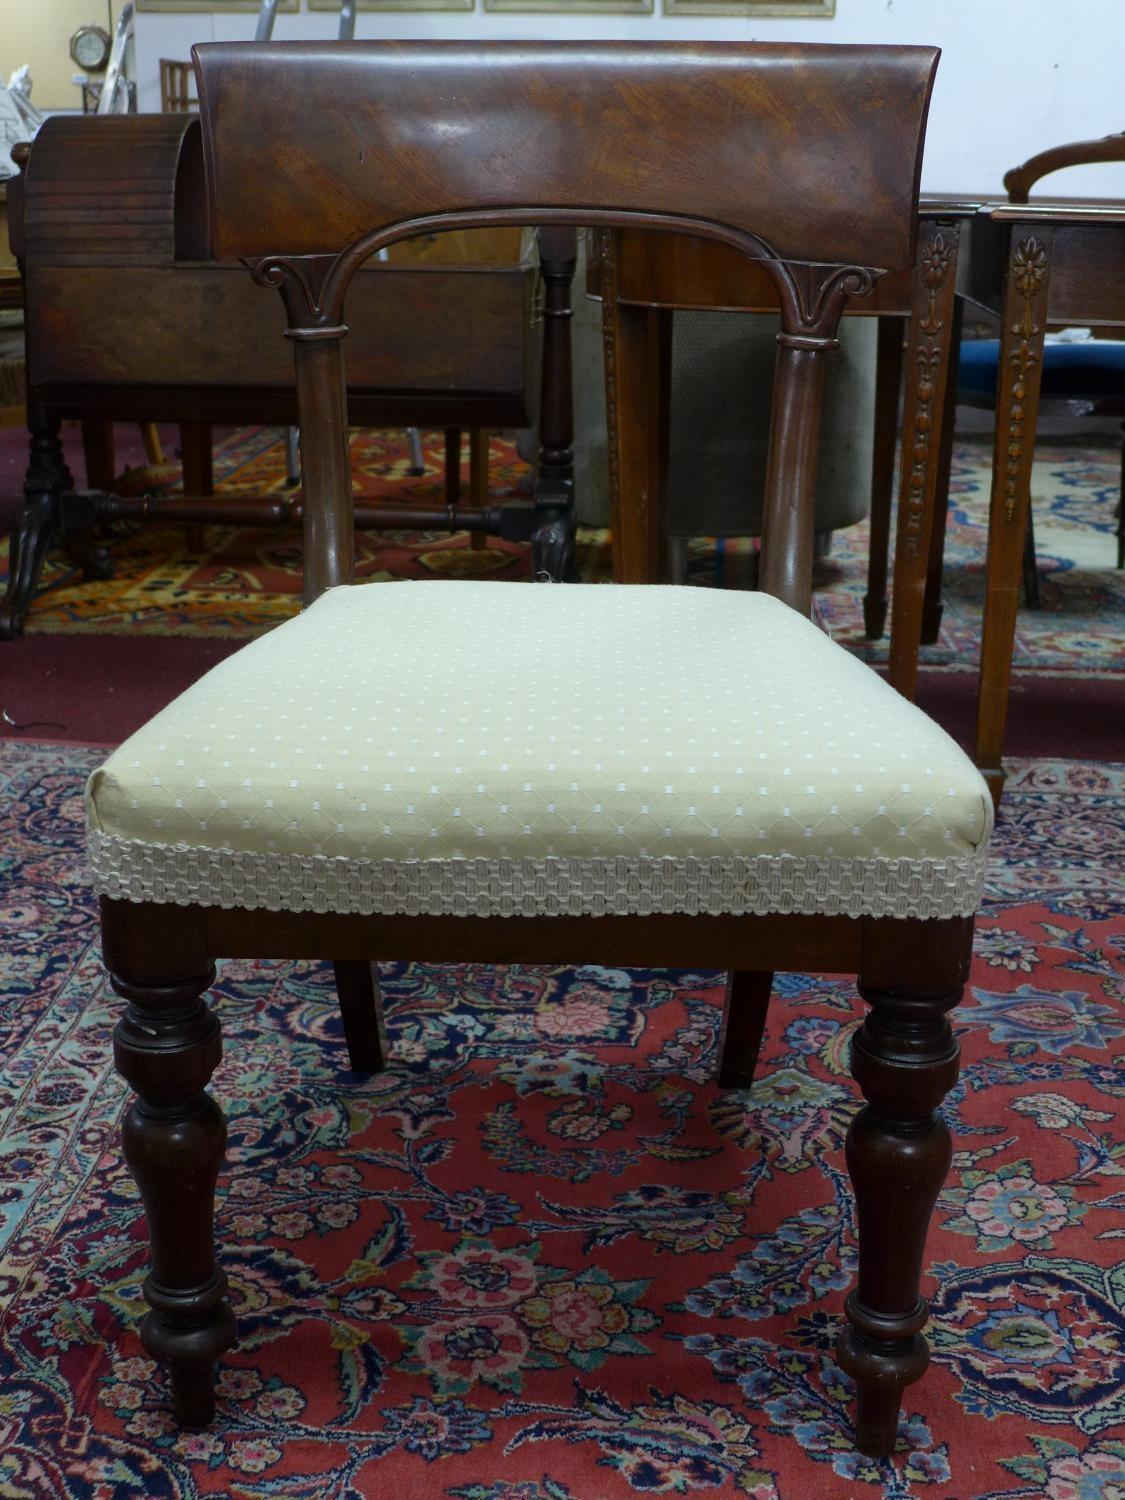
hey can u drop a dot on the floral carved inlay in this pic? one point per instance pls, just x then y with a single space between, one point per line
930 340
608 254
1029 277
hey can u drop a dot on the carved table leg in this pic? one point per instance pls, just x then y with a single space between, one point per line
552 546
1019 374
932 607
888 379
904 1058
361 1007
927 393
38 523
166 1046
744 1021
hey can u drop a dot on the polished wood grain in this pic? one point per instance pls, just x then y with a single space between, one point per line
606 137
378 152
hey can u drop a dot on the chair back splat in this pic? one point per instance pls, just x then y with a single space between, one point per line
806 158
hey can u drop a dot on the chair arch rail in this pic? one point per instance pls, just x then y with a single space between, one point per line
314 286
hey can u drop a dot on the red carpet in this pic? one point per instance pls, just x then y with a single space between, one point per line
544 1257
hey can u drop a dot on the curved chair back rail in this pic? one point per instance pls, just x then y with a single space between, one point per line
816 150
1020 180
805 156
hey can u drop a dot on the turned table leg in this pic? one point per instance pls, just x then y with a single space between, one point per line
166 1046
905 1059
39 521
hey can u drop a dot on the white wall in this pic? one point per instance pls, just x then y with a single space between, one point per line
1015 75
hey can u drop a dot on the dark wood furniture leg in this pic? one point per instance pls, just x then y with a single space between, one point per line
478 482
98 450
361 1008
552 545
166 1046
935 563
39 521
888 382
638 367
453 466
905 1059
1017 406
744 1021
927 393
197 462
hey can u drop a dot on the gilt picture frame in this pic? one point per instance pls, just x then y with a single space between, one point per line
575 7
824 9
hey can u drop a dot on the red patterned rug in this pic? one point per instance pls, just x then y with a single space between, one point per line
544 1257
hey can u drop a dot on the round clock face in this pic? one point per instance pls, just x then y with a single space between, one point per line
89 47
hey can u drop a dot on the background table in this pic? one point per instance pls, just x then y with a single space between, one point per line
642 277
1039 265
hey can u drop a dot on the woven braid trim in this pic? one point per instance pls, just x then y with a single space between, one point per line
186 876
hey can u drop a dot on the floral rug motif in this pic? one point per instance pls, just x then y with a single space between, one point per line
544 1257
246 580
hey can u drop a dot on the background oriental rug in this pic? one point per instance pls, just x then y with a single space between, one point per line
246 580
544 1257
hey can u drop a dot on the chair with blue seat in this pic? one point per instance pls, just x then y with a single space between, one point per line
1079 379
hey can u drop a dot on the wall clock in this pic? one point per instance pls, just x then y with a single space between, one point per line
89 48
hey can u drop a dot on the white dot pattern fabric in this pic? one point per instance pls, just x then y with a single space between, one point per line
500 749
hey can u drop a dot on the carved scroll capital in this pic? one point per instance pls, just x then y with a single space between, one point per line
311 289
813 299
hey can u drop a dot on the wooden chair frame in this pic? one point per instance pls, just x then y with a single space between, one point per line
911 971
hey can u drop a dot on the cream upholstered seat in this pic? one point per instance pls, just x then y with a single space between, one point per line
625 750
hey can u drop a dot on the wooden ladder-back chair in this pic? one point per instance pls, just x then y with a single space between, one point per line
625 776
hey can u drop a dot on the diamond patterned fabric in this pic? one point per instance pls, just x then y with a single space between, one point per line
498 749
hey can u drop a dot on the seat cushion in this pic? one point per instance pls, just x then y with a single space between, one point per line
1092 369
499 748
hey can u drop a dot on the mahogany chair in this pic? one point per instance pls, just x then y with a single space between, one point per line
643 776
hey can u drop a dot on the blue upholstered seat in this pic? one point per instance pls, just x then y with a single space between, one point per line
1092 369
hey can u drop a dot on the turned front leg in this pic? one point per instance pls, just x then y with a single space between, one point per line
904 1058
166 1046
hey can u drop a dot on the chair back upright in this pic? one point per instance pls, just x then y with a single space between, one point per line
806 158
